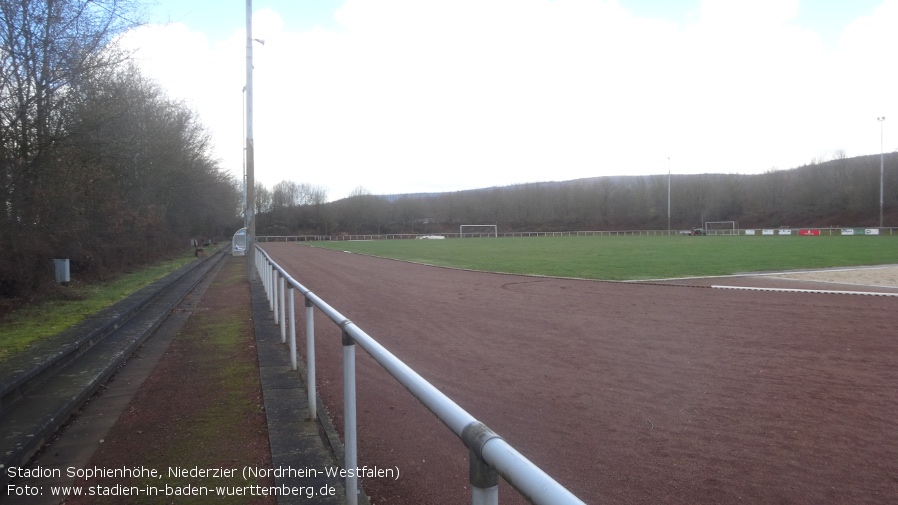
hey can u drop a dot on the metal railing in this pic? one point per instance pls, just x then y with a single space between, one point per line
490 456
409 236
834 230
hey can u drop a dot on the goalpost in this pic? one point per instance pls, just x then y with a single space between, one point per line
485 230
721 227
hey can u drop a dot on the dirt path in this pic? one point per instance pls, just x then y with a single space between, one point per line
200 407
625 393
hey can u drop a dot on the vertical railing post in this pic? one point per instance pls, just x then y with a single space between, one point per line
283 322
484 481
256 262
272 302
266 266
349 420
292 328
310 360
265 274
260 270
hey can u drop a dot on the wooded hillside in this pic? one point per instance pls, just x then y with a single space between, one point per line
840 192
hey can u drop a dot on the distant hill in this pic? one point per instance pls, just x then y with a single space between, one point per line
840 192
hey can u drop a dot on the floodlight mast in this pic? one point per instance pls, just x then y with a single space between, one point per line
668 195
881 165
250 166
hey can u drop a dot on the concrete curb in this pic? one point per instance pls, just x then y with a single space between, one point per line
295 441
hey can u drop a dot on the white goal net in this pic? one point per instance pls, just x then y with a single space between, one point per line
721 228
478 230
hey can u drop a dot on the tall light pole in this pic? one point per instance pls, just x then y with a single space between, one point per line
668 195
250 172
880 119
243 155
250 164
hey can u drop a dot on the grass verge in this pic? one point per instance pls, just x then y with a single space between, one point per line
635 257
26 325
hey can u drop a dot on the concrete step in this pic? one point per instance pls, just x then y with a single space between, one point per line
43 387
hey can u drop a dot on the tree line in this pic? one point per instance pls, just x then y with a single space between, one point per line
97 164
839 192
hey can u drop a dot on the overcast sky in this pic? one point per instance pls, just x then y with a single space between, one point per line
401 96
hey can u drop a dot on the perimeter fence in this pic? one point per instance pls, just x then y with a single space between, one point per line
489 455
831 231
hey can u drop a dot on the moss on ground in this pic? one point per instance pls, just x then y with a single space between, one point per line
29 324
202 406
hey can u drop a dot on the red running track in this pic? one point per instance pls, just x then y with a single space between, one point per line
624 393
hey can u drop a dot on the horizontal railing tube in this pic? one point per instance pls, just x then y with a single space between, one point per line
537 486
447 411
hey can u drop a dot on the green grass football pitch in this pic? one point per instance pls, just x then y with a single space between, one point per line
635 257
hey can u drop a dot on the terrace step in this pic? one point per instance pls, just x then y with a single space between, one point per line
42 386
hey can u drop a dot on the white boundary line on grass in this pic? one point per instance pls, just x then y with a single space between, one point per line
815 291
780 273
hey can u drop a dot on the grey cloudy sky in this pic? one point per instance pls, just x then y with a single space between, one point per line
404 96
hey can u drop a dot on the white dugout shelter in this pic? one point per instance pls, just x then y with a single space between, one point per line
238 243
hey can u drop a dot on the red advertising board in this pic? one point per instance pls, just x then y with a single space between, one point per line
809 232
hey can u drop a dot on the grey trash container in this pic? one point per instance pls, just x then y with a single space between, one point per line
62 270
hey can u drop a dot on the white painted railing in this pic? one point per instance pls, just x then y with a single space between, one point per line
490 455
835 231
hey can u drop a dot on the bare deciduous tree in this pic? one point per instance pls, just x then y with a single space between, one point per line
96 163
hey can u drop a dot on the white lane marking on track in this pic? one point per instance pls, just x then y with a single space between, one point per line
816 291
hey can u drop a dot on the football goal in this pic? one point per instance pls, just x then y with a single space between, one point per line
478 230
721 228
